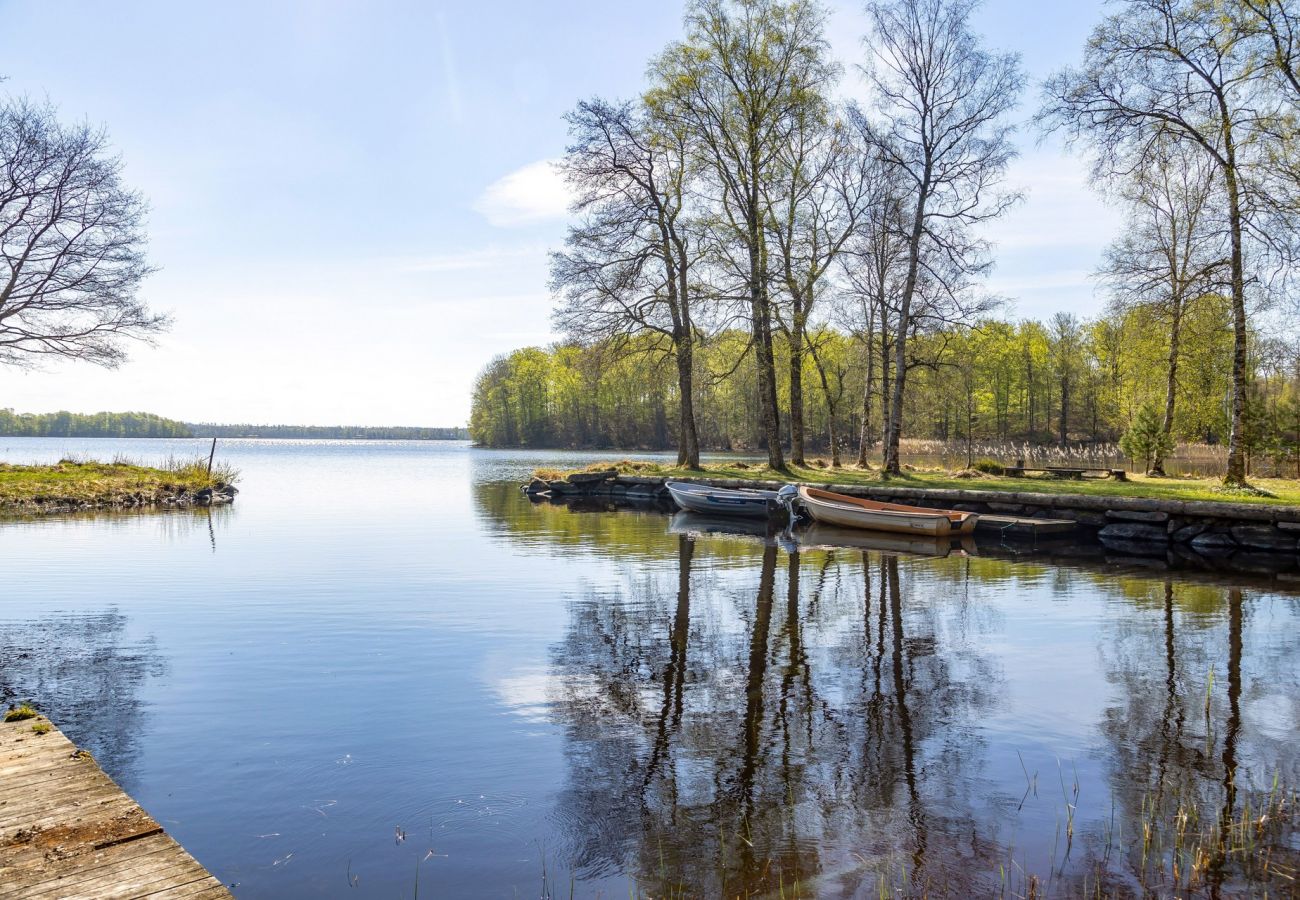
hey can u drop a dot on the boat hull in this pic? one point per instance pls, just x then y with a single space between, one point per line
721 502
849 512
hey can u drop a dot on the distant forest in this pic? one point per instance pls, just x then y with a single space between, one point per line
101 424
148 425
327 432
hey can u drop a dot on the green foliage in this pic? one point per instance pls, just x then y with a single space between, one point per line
989 467
21 712
101 424
1000 381
330 432
1146 439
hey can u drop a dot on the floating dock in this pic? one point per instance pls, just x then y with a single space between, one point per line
68 831
1023 527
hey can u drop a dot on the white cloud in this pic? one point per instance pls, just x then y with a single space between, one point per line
533 193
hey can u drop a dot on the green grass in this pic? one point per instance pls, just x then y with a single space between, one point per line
1277 491
76 482
20 713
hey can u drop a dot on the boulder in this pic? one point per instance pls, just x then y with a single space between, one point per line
1183 534
1134 531
1293 527
537 486
1213 542
1137 515
1263 537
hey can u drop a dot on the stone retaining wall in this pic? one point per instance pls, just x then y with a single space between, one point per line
1206 526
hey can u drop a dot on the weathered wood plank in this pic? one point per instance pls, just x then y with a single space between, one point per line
68 831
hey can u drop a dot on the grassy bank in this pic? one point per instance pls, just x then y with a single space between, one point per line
1264 490
87 484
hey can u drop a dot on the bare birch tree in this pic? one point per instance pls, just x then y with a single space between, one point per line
71 244
816 205
738 83
627 265
874 266
942 108
1181 70
1172 250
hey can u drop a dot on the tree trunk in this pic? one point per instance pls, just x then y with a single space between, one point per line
688 441
796 388
885 393
892 463
864 436
1065 409
760 308
1236 473
1171 387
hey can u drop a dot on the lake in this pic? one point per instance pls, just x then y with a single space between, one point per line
383 669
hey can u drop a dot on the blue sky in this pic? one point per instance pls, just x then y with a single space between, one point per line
350 202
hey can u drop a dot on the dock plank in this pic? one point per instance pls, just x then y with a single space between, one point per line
1024 525
68 831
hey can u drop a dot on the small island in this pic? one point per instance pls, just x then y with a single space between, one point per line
72 485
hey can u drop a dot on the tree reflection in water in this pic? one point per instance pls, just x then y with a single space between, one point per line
804 722
86 673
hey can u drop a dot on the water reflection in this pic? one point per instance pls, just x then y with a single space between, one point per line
87 673
745 716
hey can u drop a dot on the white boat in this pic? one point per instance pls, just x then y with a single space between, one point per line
855 512
702 498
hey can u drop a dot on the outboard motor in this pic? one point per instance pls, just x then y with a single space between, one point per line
787 496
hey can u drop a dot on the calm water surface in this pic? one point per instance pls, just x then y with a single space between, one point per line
384 661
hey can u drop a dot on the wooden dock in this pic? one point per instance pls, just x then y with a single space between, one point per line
1023 526
68 831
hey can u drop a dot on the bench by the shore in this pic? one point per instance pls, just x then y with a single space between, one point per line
1067 472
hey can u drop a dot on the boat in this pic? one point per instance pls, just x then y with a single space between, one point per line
702 498
855 512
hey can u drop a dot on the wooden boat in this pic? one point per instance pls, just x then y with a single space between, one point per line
855 512
723 501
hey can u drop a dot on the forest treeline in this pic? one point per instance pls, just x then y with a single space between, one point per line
148 425
331 432
1063 382
755 262
101 424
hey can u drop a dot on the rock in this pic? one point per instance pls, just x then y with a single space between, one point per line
1082 516
1134 531
1263 537
537 486
1137 515
1213 541
561 487
1013 509
1183 534
1289 526
591 477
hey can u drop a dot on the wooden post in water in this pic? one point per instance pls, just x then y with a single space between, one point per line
211 456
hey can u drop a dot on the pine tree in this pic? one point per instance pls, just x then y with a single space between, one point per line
1146 437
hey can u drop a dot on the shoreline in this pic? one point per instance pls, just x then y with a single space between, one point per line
1208 528
69 486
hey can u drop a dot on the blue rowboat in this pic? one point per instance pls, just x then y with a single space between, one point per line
701 498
